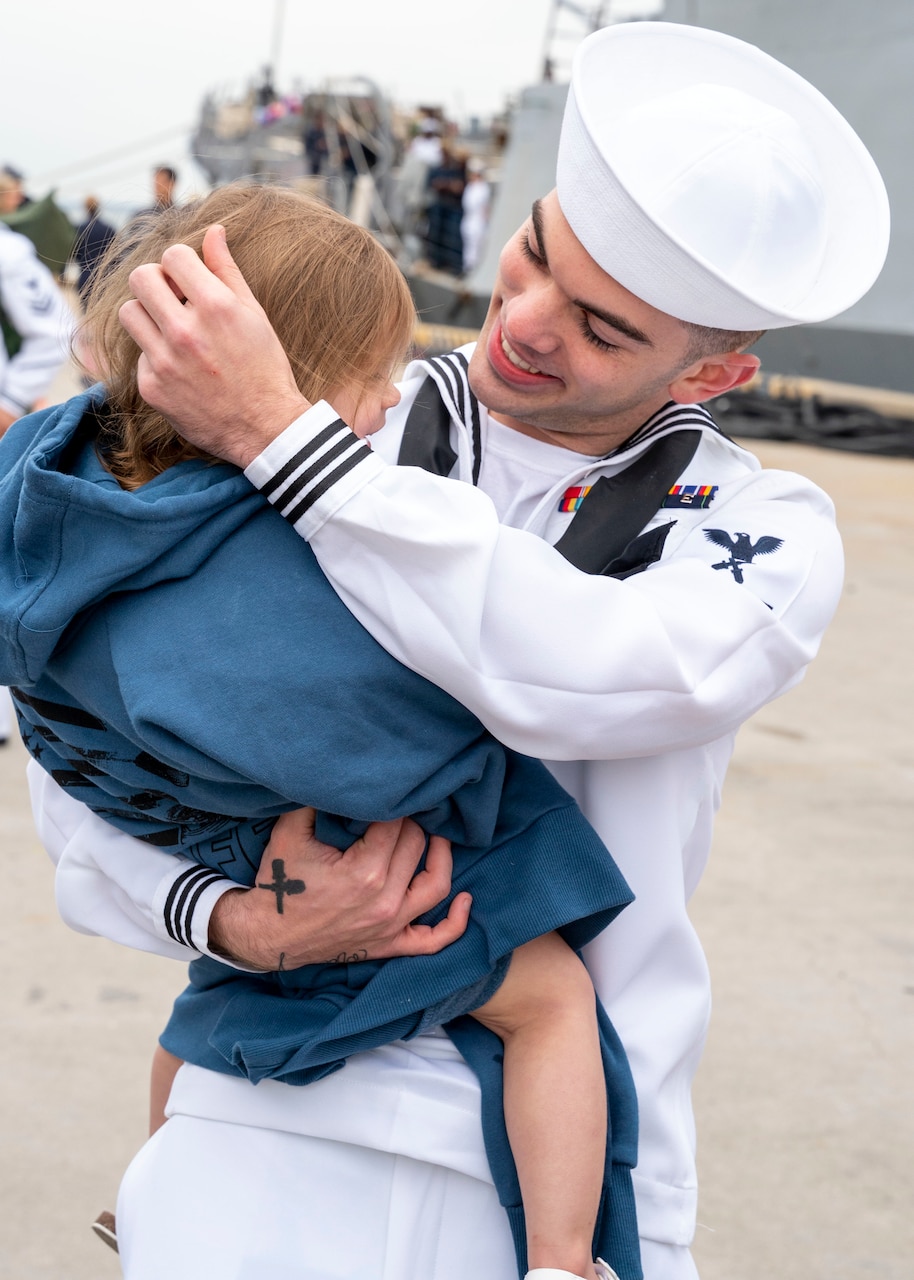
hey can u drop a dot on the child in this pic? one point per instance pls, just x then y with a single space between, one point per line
150 709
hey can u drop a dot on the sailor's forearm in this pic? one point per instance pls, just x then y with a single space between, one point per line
556 662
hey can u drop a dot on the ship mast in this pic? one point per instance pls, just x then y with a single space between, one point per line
561 41
279 18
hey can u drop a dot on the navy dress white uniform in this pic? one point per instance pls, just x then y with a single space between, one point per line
37 311
639 730
685 588
37 326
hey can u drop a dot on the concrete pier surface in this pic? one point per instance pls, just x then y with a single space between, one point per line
804 1099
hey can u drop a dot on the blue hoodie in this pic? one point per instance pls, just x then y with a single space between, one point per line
180 664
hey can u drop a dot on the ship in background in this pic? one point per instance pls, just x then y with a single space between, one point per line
366 169
859 56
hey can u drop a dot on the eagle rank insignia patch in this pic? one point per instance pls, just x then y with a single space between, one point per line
691 495
742 550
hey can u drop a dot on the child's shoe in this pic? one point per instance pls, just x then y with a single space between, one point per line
104 1227
551 1273
604 1272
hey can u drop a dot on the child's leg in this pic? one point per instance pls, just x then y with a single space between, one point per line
164 1069
162 1076
555 1099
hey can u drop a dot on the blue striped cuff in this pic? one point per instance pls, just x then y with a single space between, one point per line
313 468
183 899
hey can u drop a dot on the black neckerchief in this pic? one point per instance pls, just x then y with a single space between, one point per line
604 536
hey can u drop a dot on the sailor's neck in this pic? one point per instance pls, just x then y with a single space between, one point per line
597 442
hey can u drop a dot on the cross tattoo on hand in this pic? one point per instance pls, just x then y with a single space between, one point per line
281 885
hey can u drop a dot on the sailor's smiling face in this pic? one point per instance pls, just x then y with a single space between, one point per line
566 353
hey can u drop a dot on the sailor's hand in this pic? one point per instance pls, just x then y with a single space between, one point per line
6 420
312 904
211 362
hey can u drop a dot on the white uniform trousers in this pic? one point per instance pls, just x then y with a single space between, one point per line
208 1200
213 1199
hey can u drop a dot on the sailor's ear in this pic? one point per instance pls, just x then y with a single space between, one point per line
712 376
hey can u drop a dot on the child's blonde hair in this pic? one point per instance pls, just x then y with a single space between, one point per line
335 297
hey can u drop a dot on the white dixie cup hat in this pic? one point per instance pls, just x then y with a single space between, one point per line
714 183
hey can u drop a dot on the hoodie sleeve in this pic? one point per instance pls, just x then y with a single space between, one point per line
557 663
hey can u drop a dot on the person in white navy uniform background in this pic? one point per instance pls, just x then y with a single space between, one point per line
704 193
36 325
37 330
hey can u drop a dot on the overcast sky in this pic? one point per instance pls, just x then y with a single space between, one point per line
87 81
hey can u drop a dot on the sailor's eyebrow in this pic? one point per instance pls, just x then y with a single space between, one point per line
617 322
536 216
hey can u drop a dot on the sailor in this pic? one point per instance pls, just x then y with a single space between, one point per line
611 584
36 326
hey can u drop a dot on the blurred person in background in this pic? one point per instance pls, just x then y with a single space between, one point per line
164 182
475 203
446 181
36 322
36 325
92 239
15 195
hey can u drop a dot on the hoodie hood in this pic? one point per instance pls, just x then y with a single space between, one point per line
71 535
